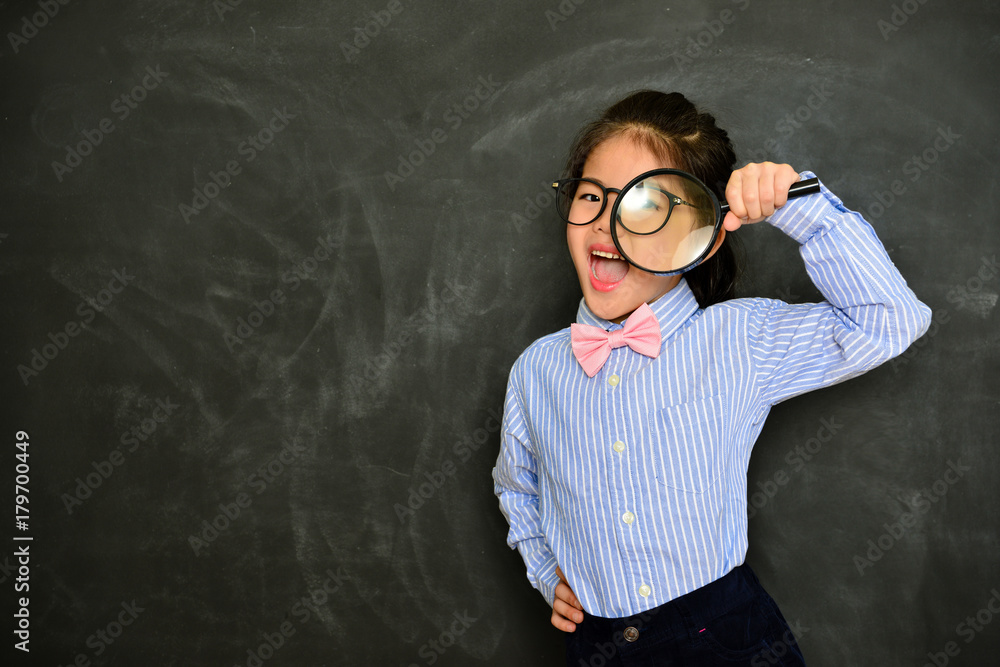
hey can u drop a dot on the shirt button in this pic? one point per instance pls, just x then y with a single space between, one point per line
631 633
619 446
645 590
628 518
614 380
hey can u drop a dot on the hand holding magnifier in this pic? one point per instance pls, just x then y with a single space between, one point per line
664 221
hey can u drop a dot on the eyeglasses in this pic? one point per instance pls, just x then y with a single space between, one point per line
645 209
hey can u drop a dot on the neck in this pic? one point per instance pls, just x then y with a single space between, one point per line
619 320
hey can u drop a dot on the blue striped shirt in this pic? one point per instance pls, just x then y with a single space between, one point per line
635 481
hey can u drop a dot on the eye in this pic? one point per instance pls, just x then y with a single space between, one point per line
589 193
640 198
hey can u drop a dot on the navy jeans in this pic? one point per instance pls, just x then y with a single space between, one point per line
731 621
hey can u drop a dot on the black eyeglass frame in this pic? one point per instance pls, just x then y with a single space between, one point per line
674 201
809 186
672 198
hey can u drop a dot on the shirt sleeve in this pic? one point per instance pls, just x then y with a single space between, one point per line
515 482
869 317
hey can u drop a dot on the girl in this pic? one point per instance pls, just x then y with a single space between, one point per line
624 482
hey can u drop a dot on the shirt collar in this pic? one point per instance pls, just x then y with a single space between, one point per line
671 310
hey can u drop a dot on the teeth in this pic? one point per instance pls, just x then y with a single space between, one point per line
608 255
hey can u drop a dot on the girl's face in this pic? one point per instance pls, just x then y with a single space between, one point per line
612 287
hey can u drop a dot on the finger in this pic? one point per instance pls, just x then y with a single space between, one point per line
565 593
567 612
751 194
731 223
734 197
786 177
765 191
561 623
559 573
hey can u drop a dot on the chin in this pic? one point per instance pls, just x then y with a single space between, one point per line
617 304
608 307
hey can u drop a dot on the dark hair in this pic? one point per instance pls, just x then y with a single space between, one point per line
673 129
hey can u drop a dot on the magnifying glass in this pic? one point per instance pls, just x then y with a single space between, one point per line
664 221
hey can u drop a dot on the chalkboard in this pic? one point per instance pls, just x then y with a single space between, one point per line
265 268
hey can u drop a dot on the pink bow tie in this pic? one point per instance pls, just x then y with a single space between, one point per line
592 345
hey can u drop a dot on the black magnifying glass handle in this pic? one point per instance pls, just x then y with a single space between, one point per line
810 186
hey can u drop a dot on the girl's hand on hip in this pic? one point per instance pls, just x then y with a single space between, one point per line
566 610
757 191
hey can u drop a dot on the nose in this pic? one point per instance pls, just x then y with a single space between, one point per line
603 222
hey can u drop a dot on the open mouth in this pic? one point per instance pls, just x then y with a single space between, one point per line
607 268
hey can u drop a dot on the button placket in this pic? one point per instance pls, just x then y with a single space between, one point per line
617 434
617 392
613 381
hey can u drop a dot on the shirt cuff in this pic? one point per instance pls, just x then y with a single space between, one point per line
805 217
541 566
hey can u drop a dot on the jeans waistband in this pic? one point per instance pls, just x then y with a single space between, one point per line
736 587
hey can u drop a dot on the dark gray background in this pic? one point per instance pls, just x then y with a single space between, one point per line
385 364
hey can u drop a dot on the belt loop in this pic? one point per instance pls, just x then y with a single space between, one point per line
688 617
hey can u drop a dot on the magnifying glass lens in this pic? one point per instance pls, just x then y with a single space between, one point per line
645 208
665 221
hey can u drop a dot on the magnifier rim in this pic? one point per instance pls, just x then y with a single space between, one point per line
666 171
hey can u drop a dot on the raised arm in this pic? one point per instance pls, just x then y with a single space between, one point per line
870 315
